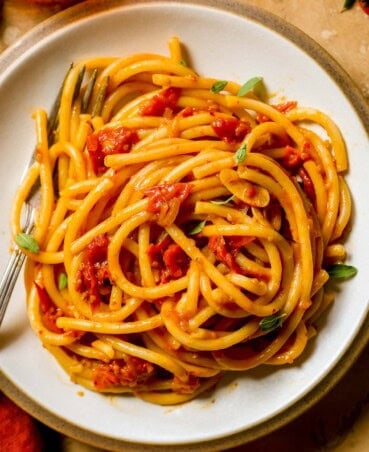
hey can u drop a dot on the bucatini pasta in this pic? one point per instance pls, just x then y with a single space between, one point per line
185 227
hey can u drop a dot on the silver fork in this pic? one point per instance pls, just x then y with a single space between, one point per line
17 257
14 266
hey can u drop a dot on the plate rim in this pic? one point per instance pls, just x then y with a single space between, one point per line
357 100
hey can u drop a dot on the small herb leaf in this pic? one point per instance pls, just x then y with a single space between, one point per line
272 322
198 228
250 85
27 242
62 281
241 154
341 271
347 4
218 86
183 63
222 202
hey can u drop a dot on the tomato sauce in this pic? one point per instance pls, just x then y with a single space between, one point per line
223 252
109 141
187 387
93 277
161 103
49 311
169 258
282 108
131 372
292 157
161 195
293 161
231 130
226 250
307 183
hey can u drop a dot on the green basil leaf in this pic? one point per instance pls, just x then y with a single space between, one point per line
221 202
341 271
27 242
250 85
241 154
218 86
198 228
272 322
347 4
62 281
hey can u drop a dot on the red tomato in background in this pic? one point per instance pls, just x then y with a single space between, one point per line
364 5
18 431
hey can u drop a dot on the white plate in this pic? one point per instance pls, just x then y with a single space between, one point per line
228 42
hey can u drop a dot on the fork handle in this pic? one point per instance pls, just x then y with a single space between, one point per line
9 279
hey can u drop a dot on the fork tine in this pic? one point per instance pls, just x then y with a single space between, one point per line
9 279
29 220
14 266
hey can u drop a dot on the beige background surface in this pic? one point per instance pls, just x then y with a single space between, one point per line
340 421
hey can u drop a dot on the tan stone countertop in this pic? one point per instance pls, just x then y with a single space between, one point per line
340 421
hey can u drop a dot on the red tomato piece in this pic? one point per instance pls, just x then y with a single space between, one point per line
97 249
364 4
169 258
188 111
231 130
156 250
130 372
286 106
49 311
166 99
109 141
307 183
282 108
218 246
176 261
94 275
236 242
292 157
189 387
161 195
226 249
